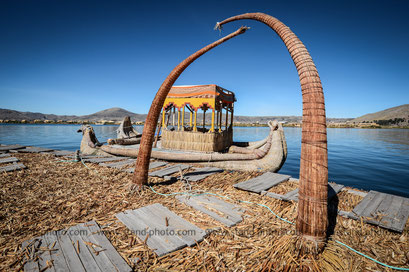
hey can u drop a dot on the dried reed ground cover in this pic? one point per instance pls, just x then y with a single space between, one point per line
52 195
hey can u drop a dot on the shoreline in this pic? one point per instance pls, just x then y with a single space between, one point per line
329 125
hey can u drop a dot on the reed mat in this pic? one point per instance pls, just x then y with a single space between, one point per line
52 194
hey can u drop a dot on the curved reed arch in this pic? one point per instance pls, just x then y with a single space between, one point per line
312 214
140 177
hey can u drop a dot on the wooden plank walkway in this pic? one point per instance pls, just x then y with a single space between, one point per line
261 183
34 149
119 164
12 167
201 173
8 160
384 210
333 189
63 153
169 170
107 159
224 212
11 147
80 248
90 156
152 165
163 230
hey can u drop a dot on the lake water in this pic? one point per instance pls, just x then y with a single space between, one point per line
370 159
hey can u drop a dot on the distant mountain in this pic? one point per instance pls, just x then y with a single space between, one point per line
113 114
388 114
6 114
117 114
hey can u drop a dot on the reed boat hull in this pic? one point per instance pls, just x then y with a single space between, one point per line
268 154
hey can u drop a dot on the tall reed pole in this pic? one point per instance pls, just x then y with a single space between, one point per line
312 214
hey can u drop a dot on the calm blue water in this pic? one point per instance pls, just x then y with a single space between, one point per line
370 159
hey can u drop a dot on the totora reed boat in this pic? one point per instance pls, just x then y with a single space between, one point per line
182 140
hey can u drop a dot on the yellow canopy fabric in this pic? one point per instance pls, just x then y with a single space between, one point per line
198 96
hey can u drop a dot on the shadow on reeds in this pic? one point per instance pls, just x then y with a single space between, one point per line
332 211
167 181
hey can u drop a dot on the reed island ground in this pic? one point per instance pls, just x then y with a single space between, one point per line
52 194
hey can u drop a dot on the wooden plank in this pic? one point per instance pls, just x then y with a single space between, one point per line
399 222
195 203
101 257
231 211
394 215
383 206
334 189
11 147
59 262
62 153
34 149
388 209
157 164
272 195
109 159
193 234
82 156
92 156
370 209
158 228
385 210
82 250
261 183
169 170
45 256
118 164
12 167
343 213
202 173
292 195
8 160
110 252
31 265
141 229
152 165
4 155
364 202
248 184
70 254
163 227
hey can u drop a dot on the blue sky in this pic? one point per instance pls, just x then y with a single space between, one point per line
79 57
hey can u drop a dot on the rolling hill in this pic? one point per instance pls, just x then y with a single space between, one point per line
388 114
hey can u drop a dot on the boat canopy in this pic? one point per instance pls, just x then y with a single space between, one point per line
193 98
198 96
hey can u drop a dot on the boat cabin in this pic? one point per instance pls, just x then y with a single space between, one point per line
184 131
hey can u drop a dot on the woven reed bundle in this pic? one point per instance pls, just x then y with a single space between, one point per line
312 209
188 140
142 163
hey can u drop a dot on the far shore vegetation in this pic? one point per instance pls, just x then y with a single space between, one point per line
376 124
